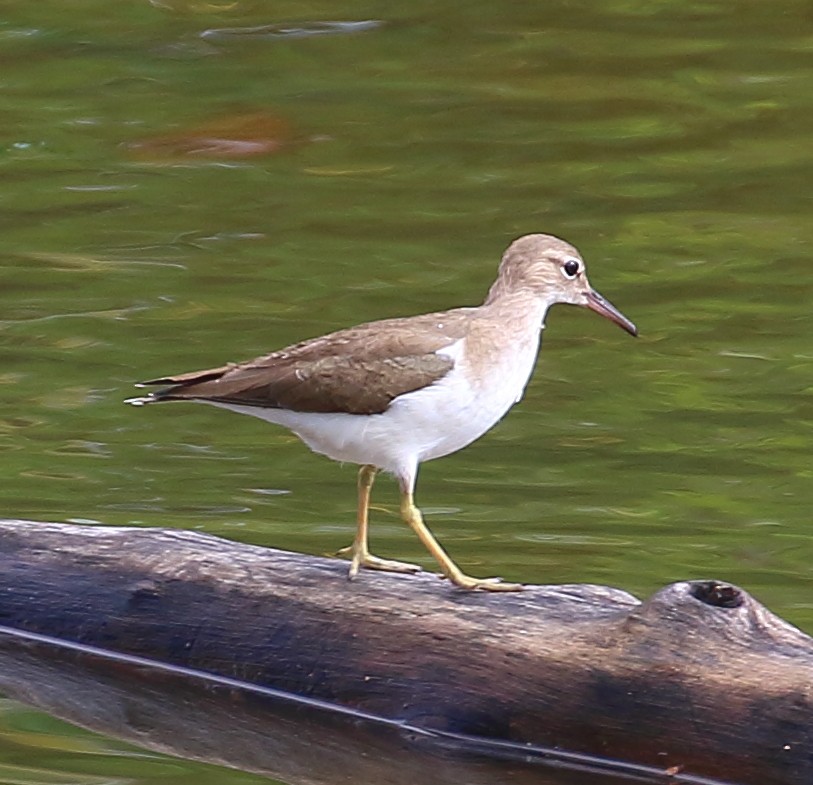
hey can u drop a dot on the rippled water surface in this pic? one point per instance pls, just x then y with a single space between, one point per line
186 183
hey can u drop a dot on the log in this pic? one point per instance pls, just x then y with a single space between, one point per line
698 684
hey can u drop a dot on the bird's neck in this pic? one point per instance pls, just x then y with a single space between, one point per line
517 305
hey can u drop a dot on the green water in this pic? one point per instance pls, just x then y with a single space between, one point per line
670 141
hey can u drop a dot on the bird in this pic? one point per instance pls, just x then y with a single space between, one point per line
391 394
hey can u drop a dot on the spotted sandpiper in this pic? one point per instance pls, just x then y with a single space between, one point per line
390 394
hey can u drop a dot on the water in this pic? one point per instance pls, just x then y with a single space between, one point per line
380 168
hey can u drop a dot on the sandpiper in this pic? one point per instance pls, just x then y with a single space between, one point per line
390 394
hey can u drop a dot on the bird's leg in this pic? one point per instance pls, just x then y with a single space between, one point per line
359 551
413 517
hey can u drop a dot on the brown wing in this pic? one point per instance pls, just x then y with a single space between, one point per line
357 371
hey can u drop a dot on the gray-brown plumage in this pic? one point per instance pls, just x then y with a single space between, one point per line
393 393
359 370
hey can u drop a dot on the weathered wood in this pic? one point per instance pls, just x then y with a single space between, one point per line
699 678
296 740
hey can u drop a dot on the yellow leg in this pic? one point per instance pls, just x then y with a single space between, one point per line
359 551
412 516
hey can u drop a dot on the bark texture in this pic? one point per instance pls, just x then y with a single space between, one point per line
699 680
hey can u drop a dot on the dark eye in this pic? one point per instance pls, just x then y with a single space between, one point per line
570 268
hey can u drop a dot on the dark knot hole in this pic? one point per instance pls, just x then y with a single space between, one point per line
719 595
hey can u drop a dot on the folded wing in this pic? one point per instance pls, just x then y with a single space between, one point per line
356 371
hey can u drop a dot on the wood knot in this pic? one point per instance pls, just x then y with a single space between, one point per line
716 594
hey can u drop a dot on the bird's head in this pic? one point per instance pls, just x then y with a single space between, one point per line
553 271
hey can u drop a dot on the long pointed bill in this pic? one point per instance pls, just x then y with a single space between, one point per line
595 302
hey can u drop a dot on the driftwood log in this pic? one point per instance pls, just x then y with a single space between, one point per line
274 662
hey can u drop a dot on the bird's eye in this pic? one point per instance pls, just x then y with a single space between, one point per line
570 268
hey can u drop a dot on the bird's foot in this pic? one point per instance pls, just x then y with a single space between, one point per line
486 584
363 558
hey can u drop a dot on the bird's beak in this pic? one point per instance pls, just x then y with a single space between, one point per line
595 302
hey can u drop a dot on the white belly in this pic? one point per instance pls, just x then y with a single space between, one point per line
418 426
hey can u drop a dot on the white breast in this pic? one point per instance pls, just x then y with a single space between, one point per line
418 426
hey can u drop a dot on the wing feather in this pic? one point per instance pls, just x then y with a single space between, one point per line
358 371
